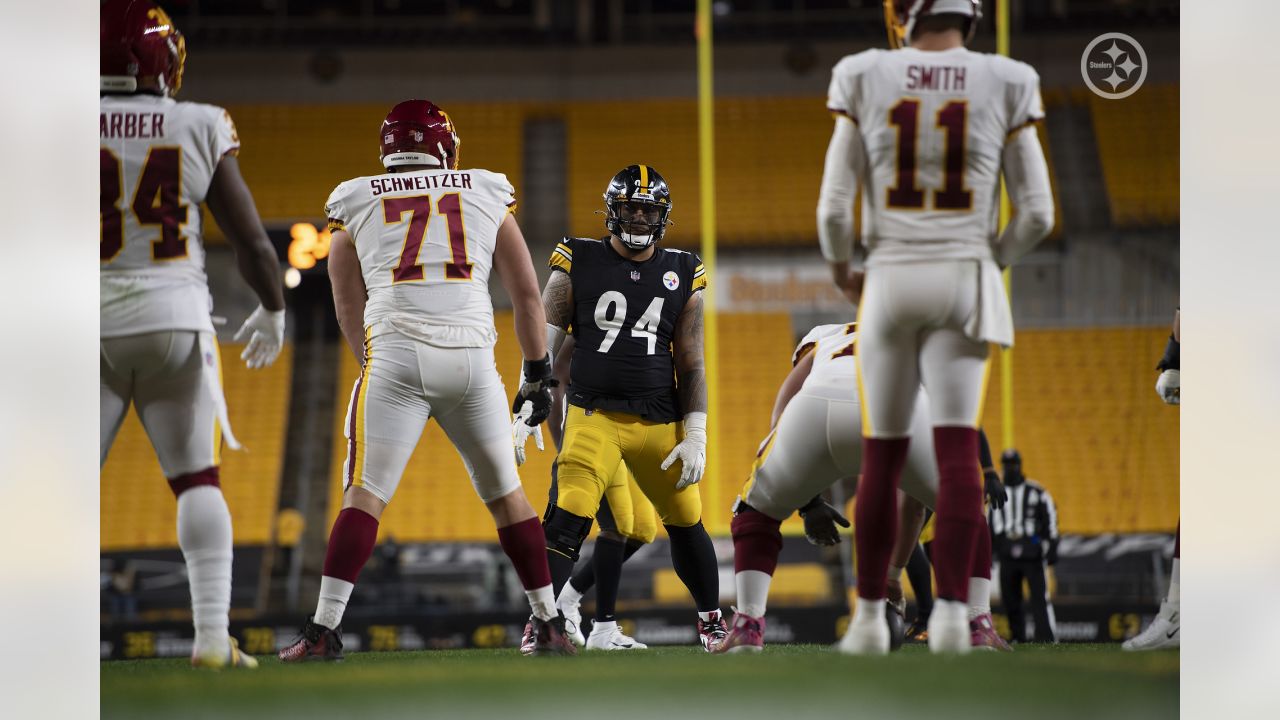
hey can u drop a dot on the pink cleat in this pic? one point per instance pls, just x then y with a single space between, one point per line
983 635
746 635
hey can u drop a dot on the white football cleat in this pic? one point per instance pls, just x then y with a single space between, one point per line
865 638
608 636
572 622
1161 633
218 659
949 628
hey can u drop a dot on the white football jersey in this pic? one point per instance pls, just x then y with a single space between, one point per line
158 157
833 348
934 125
425 240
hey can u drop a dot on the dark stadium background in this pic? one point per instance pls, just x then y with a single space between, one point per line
560 94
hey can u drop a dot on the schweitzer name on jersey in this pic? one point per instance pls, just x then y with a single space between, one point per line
624 319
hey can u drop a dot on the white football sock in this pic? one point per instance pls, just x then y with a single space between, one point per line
335 593
204 534
569 595
979 597
706 616
753 591
600 627
1174 594
868 611
543 602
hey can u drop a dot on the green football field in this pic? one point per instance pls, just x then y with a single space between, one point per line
786 682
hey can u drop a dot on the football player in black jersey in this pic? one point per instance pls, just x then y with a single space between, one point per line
637 383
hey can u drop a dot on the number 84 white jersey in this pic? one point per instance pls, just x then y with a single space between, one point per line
934 125
425 240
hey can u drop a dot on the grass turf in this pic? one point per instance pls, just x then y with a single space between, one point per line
1083 682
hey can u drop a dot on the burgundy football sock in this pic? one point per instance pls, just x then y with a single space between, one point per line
980 567
959 507
876 514
526 546
350 544
757 541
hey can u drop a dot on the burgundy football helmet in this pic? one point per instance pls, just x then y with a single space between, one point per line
900 16
138 40
418 132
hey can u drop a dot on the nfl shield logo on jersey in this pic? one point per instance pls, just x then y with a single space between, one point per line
635 276
671 280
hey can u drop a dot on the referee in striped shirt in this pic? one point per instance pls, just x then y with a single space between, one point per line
1025 539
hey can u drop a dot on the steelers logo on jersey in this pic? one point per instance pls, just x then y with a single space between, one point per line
671 280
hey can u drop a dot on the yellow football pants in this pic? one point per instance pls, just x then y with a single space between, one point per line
633 514
596 441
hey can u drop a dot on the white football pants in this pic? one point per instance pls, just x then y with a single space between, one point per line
818 441
911 331
404 383
162 374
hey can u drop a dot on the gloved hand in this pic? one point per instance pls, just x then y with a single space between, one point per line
265 332
1169 387
536 390
1051 557
820 520
997 496
691 451
521 430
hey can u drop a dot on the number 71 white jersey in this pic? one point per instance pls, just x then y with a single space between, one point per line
425 240
934 125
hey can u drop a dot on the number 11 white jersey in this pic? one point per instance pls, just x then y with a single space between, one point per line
425 240
934 125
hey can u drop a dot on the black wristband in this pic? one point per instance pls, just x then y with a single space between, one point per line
537 370
1170 359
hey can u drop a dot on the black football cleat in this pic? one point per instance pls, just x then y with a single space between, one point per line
317 642
551 638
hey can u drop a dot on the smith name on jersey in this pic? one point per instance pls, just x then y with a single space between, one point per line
425 240
624 319
934 125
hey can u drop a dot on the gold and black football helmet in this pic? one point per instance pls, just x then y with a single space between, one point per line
637 203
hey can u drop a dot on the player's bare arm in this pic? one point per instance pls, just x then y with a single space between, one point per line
790 386
557 300
349 294
560 371
691 372
232 206
515 268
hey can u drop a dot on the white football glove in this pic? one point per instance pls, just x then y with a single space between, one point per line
1169 387
520 432
265 331
691 451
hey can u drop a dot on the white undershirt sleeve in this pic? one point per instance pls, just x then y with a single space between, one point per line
845 155
1026 176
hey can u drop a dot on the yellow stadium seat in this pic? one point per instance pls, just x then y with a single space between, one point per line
1138 147
1103 444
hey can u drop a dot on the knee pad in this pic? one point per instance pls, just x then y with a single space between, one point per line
565 532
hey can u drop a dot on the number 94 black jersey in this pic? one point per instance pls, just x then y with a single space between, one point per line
624 319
